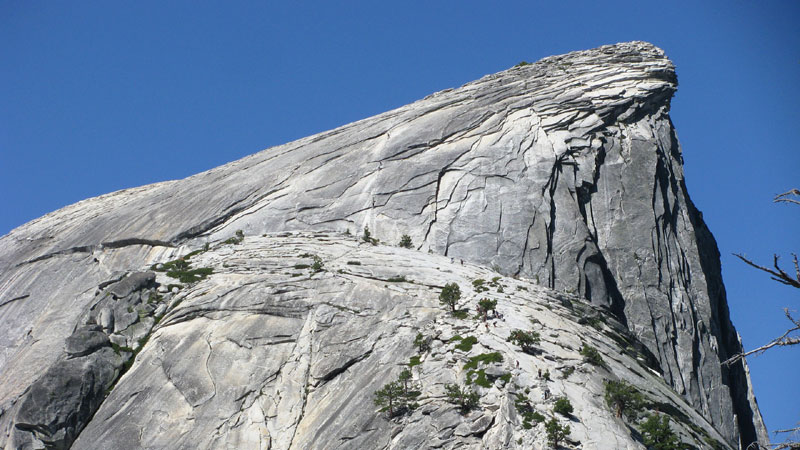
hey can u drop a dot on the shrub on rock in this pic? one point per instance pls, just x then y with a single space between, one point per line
525 339
450 295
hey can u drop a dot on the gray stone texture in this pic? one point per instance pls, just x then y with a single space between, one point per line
566 173
55 408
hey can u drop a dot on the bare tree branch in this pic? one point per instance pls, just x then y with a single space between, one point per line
788 430
792 445
778 274
791 319
787 197
796 267
792 196
784 339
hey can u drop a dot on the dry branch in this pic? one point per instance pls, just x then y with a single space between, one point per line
777 274
787 197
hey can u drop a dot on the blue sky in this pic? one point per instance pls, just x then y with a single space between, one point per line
101 96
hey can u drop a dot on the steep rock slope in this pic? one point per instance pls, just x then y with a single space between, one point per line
567 172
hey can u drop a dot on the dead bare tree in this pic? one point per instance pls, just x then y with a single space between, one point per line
792 335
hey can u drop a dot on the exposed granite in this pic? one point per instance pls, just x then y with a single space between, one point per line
566 172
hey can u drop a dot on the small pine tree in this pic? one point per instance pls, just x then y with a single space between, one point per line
486 306
317 265
657 434
525 339
367 237
624 399
592 356
556 432
450 295
466 400
405 241
422 342
390 398
404 378
563 406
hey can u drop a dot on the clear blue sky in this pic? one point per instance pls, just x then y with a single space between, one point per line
100 96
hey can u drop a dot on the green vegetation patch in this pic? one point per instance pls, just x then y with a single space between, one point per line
181 269
196 252
191 275
466 343
563 406
118 349
235 240
479 376
525 409
176 264
483 358
461 314
478 285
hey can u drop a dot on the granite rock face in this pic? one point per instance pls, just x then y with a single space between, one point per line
564 175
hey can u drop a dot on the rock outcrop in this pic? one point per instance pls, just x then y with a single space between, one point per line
562 177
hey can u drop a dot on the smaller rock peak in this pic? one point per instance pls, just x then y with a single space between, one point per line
640 47
633 54
634 65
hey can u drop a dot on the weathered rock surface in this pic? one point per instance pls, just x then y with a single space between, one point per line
268 353
566 173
